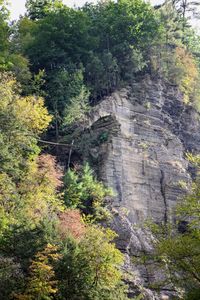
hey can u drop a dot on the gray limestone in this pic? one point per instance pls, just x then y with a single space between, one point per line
148 131
144 161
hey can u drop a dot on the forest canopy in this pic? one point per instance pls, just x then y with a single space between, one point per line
57 62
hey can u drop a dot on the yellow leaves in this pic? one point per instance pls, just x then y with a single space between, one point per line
42 283
50 252
29 112
33 113
194 159
38 190
22 297
188 74
7 90
102 256
22 119
8 201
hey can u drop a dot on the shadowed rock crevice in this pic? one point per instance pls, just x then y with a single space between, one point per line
144 159
149 129
162 190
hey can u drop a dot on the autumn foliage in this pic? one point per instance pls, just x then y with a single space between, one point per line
71 224
48 167
187 75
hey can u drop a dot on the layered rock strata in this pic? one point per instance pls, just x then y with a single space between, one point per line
137 140
144 159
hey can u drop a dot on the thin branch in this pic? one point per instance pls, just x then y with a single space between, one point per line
52 143
70 154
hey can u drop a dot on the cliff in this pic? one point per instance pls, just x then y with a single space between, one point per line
137 140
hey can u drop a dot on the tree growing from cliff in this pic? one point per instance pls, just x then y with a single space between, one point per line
106 42
186 8
82 190
179 250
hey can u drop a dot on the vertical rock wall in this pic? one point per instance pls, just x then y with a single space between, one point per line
144 162
137 140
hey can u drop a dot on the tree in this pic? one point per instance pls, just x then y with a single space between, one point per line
108 41
39 188
83 191
76 108
42 284
89 269
52 44
4 35
67 97
29 197
123 33
56 43
11 276
187 7
22 120
179 250
38 9
101 74
192 41
186 75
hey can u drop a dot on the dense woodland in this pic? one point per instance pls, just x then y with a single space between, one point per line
56 63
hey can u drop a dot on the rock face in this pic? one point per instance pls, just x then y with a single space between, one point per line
144 159
138 138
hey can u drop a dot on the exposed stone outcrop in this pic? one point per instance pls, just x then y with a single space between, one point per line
137 140
144 159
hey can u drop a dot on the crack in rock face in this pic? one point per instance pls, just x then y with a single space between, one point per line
143 161
162 190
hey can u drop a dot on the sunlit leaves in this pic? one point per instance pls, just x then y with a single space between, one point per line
83 191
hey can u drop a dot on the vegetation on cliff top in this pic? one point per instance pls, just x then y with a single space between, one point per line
55 62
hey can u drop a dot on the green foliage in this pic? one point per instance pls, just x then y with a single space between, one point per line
29 198
178 250
4 34
38 9
87 268
184 72
68 42
98 48
106 43
175 57
83 191
67 96
192 41
103 137
41 282
124 36
21 120
33 215
76 108
90 269
74 57
102 73
27 189
11 277
8 201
